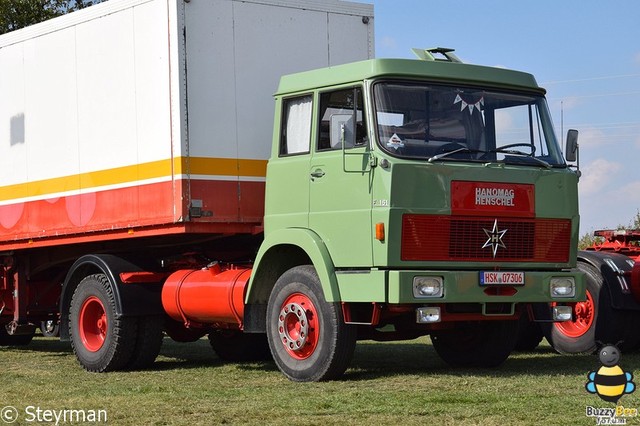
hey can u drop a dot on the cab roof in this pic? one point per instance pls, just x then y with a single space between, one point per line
424 70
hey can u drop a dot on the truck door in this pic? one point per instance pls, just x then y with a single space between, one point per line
340 178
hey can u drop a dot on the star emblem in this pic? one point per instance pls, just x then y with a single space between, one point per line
494 238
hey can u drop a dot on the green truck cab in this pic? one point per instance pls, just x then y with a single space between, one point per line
406 198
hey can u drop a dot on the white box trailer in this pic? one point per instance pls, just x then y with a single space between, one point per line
153 117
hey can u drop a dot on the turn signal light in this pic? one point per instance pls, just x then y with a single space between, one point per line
380 231
427 315
562 313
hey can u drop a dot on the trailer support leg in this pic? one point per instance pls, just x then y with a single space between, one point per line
19 325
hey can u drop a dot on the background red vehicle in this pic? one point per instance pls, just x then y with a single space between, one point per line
611 312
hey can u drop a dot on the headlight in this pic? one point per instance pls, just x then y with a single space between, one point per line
562 287
431 287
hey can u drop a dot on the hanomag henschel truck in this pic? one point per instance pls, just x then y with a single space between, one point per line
403 197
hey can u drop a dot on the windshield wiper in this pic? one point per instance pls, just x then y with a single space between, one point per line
516 153
448 153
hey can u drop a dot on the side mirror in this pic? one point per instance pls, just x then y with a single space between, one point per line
341 128
571 151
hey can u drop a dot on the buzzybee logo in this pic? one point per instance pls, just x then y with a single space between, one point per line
610 382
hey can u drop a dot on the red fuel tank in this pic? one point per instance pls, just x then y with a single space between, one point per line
206 296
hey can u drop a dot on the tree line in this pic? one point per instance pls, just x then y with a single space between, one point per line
16 14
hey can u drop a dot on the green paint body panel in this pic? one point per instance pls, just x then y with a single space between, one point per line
309 243
332 218
364 286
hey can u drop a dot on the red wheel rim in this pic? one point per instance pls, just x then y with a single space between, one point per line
93 324
298 326
583 314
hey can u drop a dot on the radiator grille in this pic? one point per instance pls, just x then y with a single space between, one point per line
446 238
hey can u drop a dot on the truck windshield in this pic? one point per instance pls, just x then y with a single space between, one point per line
435 122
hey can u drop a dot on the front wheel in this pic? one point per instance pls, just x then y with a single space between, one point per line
476 344
529 334
307 336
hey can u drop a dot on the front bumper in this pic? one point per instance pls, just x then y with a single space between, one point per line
396 287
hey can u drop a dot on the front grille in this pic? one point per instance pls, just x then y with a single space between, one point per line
449 238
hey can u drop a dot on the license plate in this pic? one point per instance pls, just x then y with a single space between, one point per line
502 278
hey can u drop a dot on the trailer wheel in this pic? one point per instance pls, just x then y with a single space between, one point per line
308 338
100 341
477 344
148 342
594 320
7 339
50 328
236 346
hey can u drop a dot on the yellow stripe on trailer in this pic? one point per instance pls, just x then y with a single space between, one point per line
133 174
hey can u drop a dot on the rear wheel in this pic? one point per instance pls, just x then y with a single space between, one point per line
477 344
7 339
308 338
236 346
148 342
100 341
179 333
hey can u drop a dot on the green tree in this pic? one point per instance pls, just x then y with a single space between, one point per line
636 221
16 14
587 240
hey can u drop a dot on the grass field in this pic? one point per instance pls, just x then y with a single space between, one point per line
387 384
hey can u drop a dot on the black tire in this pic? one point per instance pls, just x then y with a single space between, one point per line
529 334
108 341
614 326
7 339
236 346
50 328
181 334
633 343
483 344
308 338
148 342
607 325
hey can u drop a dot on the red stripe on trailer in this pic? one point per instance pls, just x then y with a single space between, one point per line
228 206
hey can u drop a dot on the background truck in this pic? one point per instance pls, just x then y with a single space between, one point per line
401 197
610 313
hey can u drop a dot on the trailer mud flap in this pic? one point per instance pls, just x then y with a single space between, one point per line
615 270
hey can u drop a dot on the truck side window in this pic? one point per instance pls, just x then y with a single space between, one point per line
295 134
337 112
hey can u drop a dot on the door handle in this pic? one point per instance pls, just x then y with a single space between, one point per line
317 173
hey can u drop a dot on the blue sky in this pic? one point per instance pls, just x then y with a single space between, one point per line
586 54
